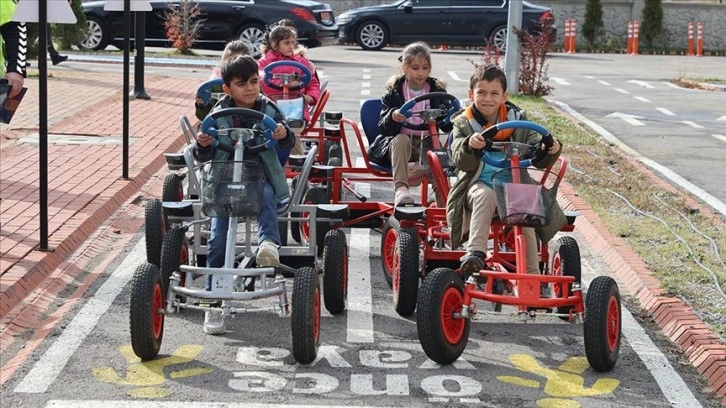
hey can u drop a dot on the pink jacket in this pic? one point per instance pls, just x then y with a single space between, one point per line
312 89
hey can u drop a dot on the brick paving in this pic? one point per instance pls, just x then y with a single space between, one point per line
86 192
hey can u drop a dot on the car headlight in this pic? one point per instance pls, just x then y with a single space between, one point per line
344 18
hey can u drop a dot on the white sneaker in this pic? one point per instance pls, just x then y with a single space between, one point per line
214 322
402 197
267 254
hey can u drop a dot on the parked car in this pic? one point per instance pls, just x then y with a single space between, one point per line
437 22
223 20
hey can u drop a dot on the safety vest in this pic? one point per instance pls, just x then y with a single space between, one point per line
7 9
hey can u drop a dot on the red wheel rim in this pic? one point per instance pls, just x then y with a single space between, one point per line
613 324
395 271
557 271
389 246
316 316
453 328
156 305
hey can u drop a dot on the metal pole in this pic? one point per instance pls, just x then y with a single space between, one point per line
139 39
43 120
127 45
511 59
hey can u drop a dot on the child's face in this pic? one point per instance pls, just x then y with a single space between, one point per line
487 96
244 93
417 71
287 46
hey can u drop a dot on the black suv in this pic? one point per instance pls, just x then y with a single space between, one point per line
449 22
222 21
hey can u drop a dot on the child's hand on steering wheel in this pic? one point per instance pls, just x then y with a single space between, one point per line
397 117
477 141
204 140
552 149
280 132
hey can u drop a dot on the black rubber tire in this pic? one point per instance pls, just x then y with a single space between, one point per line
335 162
441 295
174 253
173 190
96 26
282 228
406 279
332 150
372 35
335 271
305 315
154 229
565 262
146 324
295 225
603 321
389 239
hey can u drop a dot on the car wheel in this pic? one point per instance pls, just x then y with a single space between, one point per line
254 35
98 35
498 38
372 35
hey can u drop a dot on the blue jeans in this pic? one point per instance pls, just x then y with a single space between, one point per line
267 229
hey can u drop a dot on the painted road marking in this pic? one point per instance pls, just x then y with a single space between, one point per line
47 369
360 306
606 83
174 404
622 91
590 77
642 99
666 112
365 84
641 83
366 76
692 124
671 384
365 92
720 137
712 201
722 118
560 81
456 77
631 119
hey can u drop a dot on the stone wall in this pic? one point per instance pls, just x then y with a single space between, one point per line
617 13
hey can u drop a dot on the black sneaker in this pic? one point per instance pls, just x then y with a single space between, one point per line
57 58
472 262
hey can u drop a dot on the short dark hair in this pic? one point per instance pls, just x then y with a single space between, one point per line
240 66
488 72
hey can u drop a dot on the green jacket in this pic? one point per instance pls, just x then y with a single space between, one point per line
470 165
268 158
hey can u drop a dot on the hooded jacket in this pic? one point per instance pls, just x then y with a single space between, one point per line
312 89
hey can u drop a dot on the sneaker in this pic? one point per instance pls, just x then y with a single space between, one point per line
214 322
472 262
403 197
267 254
545 291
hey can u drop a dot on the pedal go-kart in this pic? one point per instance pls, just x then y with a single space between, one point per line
236 192
447 301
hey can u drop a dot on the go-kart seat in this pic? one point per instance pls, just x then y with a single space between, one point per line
370 112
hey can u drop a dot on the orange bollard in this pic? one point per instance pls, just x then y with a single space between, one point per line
573 35
629 46
699 40
567 36
636 28
690 39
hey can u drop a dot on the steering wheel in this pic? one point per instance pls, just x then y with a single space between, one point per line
287 77
268 126
430 114
511 148
204 92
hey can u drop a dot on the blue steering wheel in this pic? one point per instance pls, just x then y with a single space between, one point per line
304 78
489 133
268 126
431 113
204 91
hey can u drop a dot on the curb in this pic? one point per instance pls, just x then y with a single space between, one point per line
45 263
701 345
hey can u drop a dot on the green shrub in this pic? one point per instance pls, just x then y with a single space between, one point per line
652 26
593 21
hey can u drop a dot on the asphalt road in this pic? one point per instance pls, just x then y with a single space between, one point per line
369 355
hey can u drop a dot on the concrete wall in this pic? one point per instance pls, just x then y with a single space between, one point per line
617 13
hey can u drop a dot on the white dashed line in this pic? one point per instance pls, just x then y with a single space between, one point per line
642 99
366 76
365 84
666 111
455 76
692 124
365 92
720 137
606 83
561 81
622 91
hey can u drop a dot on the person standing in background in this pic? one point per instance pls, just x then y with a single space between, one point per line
14 36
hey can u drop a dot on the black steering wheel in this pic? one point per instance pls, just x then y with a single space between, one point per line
268 125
